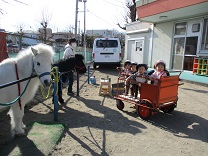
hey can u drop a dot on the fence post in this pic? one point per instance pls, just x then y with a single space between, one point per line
88 74
55 97
77 84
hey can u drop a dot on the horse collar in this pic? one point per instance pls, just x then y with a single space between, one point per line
18 84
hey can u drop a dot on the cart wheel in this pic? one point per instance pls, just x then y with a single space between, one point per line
119 104
168 109
143 112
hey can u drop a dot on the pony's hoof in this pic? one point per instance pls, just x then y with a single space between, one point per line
19 132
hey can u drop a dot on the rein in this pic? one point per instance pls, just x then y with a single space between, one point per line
15 100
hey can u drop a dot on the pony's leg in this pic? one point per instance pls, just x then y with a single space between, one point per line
16 115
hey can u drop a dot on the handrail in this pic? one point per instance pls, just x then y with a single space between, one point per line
15 82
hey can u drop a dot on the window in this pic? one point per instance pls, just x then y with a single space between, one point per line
204 44
191 45
139 46
107 43
180 28
196 27
179 45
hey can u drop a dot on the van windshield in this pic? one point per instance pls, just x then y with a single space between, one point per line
106 43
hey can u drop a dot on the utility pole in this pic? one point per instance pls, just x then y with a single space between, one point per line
85 55
76 16
79 33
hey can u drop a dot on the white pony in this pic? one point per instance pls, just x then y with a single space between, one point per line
34 60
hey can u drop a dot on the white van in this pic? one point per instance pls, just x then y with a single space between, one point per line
106 51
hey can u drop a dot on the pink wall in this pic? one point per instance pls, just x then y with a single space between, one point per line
161 6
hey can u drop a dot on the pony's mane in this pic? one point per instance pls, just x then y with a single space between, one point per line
43 50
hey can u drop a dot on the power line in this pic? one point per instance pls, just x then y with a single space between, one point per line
101 19
20 2
114 4
5 1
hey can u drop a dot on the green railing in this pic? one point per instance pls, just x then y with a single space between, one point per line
59 55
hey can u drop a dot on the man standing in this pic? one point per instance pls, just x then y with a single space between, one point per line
70 52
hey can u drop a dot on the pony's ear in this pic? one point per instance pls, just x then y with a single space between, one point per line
35 51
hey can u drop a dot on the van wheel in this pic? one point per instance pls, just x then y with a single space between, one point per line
119 65
94 65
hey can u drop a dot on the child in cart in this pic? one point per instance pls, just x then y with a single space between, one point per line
159 71
126 71
131 81
140 77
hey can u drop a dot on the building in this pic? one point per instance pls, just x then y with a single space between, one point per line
30 37
179 31
103 33
138 42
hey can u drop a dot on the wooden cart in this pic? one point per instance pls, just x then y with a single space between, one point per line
152 98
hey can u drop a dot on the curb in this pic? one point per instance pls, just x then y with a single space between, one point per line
194 82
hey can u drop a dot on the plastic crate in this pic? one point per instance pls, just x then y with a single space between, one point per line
118 88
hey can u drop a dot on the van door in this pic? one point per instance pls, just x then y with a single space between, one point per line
106 51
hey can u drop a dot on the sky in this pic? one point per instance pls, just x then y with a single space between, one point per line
100 14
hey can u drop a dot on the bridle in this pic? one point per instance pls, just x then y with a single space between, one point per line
41 75
80 68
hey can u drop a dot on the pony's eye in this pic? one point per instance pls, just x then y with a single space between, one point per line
38 63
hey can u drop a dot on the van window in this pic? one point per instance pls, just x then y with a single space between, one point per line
106 43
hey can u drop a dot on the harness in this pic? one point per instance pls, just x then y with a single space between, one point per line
18 84
80 68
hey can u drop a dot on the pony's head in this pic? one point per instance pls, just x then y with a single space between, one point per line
42 60
80 66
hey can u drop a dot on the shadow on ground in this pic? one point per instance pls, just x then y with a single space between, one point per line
181 124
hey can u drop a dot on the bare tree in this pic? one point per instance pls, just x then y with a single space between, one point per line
20 27
130 14
69 30
44 22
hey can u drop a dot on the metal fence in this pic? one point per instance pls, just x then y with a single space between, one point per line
59 55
